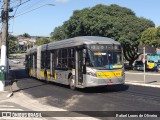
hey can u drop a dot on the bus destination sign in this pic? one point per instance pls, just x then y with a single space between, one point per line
104 47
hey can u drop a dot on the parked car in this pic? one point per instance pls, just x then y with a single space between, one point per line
127 66
138 65
150 65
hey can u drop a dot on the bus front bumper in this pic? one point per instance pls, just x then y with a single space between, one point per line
91 81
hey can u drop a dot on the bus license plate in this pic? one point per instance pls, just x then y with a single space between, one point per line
109 83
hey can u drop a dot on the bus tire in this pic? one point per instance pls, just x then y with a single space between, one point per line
72 83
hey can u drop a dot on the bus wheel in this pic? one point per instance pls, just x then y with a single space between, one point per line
72 83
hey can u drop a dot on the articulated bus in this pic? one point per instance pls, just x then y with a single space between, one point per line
80 62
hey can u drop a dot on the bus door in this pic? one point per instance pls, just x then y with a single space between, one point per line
53 60
79 66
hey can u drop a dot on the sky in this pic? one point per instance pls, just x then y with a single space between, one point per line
38 18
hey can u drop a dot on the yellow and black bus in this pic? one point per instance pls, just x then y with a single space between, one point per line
84 61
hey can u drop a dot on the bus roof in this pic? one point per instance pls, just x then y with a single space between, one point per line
76 41
79 41
32 50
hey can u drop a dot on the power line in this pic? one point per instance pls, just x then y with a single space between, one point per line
17 6
33 10
30 6
13 1
21 3
17 9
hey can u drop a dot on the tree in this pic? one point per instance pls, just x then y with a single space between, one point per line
58 34
26 35
12 46
42 41
12 37
151 36
158 36
112 21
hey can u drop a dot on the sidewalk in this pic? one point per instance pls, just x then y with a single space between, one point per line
29 103
148 82
7 89
141 83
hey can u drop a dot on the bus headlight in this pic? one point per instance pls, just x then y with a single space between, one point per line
92 74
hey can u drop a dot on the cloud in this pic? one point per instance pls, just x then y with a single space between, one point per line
62 1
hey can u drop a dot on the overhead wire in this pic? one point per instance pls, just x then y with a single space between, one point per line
15 14
11 2
17 6
21 3
30 6
21 13
28 11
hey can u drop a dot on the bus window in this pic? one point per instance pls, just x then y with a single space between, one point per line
35 60
48 59
88 60
104 59
31 61
64 58
71 60
43 57
59 64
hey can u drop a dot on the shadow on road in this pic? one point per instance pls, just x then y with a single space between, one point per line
29 87
61 96
88 99
21 75
105 89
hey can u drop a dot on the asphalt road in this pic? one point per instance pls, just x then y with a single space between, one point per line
123 98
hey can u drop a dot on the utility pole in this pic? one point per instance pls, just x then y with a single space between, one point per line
4 45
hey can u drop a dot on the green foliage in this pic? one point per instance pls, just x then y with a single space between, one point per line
12 46
112 21
42 41
158 32
59 33
26 35
11 37
151 36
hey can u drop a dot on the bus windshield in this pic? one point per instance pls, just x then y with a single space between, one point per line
107 60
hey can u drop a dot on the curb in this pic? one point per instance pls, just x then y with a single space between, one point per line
4 91
5 95
142 84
